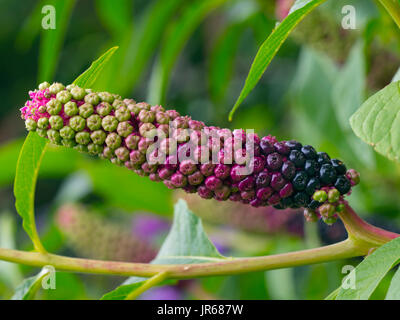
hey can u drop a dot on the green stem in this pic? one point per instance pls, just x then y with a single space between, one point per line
393 8
362 239
342 250
153 281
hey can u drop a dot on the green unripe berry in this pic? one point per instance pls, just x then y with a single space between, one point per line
64 96
104 109
106 97
122 114
56 122
143 106
44 85
53 107
86 110
146 116
77 123
78 93
43 123
95 149
117 161
132 141
82 137
133 108
94 122
118 103
54 136
329 220
98 137
122 153
109 123
108 153
333 195
148 130
56 88
340 207
320 196
42 132
69 143
92 98
70 109
162 118
327 210
42 109
81 148
67 133
30 124
113 140
124 129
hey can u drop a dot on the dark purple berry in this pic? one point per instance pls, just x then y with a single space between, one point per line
309 152
327 174
277 181
264 193
300 180
293 145
263 179
339 166
288 170
312 185
311 167
282 148
343 184
246 184
274 161
286 190
322 158
266 147
298 158
213 183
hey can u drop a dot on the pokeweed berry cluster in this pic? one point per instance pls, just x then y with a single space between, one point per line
183 153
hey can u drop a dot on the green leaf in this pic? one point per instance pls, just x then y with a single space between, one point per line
377 121
139 44
369 273
394 289
52 39
28 165
173 44
270 48
116 15
29 287
186 243
88 78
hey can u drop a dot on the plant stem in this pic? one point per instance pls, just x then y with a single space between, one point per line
393 8
342 250
153 281
363 238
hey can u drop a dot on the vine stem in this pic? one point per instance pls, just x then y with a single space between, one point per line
363 238
393 8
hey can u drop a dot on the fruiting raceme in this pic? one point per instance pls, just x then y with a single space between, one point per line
184 153
90 235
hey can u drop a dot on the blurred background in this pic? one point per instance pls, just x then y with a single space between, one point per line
194 55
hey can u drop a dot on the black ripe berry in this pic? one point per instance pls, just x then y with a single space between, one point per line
287 202
293 145
323 158
342 184
297 157
301 199
327 174
339 166
309 152
312 185
311 167
300 180
314 204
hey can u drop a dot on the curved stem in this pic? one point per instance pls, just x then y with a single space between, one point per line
363 238
341 250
